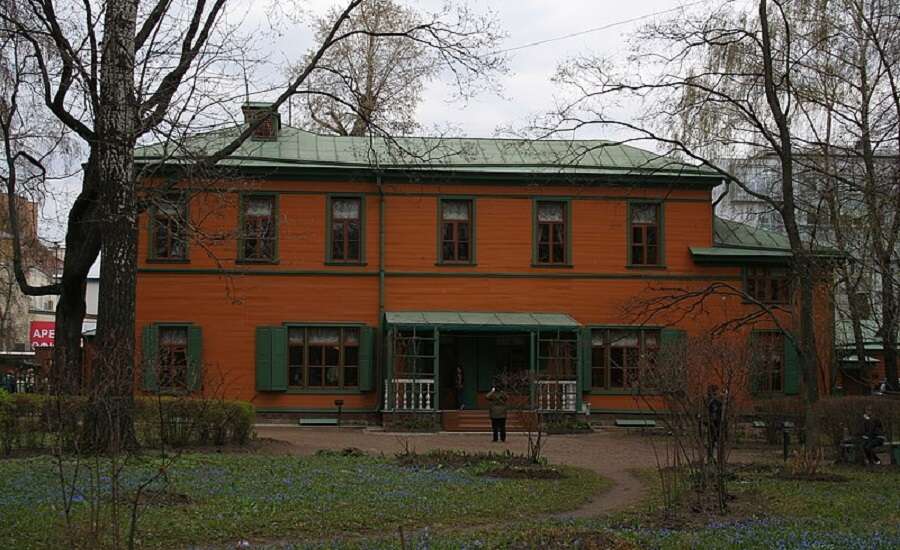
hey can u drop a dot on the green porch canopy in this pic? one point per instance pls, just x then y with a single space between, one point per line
481 321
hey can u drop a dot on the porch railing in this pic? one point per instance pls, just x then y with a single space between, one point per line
409 394
556 395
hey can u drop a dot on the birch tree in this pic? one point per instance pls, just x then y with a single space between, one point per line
726 81
374 80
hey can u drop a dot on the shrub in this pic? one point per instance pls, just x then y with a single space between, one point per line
776 411
838 417
34 421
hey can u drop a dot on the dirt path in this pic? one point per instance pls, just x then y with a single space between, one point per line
610 454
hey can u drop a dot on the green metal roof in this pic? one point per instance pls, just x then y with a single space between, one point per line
465 319
299 149
736 234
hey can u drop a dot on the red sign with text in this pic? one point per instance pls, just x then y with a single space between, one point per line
43 333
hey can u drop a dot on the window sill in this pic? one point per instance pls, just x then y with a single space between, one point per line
455 264
351 263
322 391
646 266
244 261
553 266
168 261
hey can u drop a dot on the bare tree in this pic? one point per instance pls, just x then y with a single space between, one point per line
722 82
110 75
687 377
849 91
376 77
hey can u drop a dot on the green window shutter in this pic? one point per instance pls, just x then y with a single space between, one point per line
366 356
487 363
671 341
195 358
755 377
584 358
791 367
263 358
150 347
271 358
279 359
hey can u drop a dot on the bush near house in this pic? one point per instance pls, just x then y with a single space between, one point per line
32 422
837 417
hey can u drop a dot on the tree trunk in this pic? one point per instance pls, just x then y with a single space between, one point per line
110 424
889 326
82 248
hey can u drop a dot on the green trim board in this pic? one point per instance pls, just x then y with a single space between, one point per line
329 258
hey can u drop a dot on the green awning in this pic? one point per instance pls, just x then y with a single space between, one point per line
479 320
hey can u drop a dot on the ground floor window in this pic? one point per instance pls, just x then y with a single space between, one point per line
323 357
172 357
413 351
767 375
557 354
619 355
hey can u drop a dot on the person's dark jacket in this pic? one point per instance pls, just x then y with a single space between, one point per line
498 408
872 428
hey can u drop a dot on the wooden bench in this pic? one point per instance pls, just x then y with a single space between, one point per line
318 422
633 423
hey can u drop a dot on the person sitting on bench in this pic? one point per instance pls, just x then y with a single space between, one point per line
872 436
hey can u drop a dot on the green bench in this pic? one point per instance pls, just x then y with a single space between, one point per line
318 422
631 423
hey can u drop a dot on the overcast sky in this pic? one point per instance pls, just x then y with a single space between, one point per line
527 89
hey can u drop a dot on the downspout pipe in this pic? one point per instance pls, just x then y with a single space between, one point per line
380 334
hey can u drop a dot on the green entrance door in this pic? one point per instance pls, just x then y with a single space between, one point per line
477 355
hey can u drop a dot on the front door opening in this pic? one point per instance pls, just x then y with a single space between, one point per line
472 363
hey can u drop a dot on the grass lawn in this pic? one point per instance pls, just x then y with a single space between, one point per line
223 498
861 513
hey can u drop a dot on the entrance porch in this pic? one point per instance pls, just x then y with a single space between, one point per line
444 361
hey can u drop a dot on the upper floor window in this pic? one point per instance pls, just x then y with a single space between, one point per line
456 231
346 229
644 233
259 228
768 365
619 355
768 285
551 233
168 237
323 357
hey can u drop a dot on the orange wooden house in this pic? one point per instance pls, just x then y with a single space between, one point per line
409 275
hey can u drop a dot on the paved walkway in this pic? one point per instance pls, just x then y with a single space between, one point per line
609 453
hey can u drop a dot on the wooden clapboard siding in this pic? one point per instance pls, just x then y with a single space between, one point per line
596 289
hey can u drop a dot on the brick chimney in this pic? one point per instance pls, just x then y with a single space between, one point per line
268 130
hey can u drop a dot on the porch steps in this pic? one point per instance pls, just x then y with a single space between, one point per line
476 421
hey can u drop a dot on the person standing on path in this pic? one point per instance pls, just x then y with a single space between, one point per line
497 412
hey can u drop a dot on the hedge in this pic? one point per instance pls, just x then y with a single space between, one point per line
35 422
838 417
